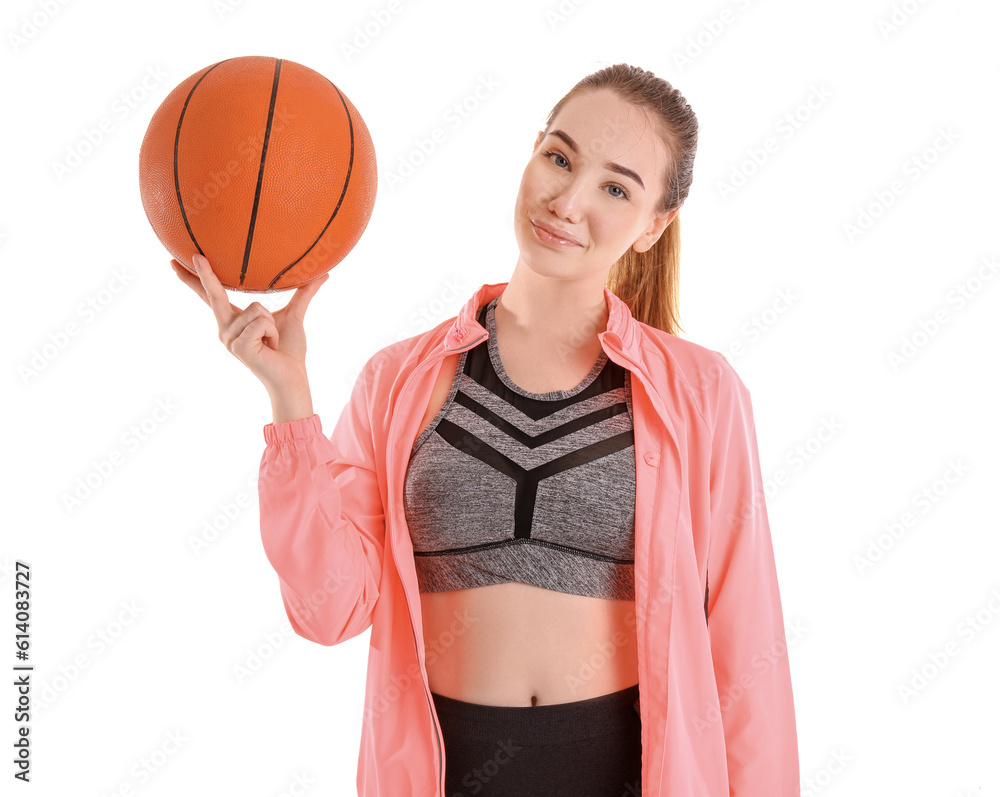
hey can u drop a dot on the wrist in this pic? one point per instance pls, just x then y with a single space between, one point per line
282 413
289 404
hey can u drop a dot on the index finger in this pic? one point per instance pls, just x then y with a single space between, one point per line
215 292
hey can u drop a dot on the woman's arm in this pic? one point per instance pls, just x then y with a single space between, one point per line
745 620
322 521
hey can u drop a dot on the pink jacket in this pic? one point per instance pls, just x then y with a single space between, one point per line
715 689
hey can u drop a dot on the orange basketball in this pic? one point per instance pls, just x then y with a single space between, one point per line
263 166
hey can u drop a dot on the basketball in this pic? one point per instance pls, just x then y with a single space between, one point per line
263 166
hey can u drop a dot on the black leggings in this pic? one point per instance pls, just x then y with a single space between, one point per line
586 748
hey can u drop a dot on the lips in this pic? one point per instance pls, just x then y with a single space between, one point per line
556 231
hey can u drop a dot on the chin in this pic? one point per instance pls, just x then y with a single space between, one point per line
548 263
541 259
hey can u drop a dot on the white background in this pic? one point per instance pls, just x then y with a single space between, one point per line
911 96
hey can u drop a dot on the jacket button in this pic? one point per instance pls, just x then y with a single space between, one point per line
651 458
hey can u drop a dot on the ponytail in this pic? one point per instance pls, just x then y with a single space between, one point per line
649 282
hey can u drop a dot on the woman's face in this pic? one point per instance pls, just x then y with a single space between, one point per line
595 178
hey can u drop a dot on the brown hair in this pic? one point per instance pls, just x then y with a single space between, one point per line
648 282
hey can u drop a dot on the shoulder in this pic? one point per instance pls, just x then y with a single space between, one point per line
389 367
703 375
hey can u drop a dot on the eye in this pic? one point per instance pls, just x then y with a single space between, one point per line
622 195
614 186
558 155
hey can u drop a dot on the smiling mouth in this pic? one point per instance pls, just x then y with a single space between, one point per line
551 234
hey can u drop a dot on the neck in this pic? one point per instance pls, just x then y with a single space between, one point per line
566 313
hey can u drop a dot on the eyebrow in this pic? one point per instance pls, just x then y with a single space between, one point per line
611 166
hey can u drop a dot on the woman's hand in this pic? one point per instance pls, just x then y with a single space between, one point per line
271 345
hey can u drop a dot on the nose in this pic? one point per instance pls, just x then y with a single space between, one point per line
566 202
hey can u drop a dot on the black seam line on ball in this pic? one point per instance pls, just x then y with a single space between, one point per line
486 546
260 171
177 139
343 192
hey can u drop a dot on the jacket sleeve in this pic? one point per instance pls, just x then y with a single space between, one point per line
322 520
743 609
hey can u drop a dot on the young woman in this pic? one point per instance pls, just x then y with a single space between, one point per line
548 509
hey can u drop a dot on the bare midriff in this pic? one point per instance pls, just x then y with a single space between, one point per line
516 644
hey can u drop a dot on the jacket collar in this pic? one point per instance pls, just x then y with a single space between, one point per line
622 333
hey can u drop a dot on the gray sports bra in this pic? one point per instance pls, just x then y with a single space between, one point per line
506 485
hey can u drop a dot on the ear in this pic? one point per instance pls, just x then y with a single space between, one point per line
656 228
541 135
